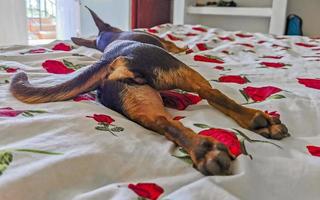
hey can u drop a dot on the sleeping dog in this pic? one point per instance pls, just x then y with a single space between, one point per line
108 34
128 77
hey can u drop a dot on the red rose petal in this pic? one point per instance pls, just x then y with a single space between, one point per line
314 150
226 38
11 70
85 97
179 101
258 94
173 38
9 112
273 114
226 137
243 35
310 83
306 45
191 34
218 68
233 79
199 29
201 58
56 67
178 117
246 45
102 118
273 65
202 46
62 47
152 30
150 191
273 57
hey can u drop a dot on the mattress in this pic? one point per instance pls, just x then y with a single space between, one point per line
79 149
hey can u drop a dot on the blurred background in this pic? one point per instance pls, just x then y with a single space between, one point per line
42 21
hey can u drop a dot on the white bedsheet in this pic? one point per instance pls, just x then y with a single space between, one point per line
95 164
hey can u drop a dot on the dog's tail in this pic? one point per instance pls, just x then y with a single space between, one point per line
86 81
102 26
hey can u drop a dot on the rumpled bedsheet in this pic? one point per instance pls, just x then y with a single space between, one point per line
80 150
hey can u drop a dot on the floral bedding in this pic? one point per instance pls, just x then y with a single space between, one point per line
79 149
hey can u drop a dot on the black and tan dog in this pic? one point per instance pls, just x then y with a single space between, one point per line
128 78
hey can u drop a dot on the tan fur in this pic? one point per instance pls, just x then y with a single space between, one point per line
171 47
118 69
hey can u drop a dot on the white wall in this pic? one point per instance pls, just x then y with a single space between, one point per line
13 22
114 12
68 19
307 9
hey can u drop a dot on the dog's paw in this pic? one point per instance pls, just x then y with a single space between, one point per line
210 157
268 126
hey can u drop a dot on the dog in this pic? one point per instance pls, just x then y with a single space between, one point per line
108 34
128 78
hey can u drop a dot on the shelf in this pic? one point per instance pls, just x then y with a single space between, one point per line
231 11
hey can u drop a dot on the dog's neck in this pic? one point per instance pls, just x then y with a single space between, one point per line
105 38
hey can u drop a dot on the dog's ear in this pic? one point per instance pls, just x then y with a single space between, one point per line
102 26
84 42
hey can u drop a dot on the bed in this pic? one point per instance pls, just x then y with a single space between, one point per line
79 149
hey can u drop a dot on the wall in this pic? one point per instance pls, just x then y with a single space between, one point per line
308 10
13 22
114 12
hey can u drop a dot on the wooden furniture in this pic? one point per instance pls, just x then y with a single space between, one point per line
149 13
276 13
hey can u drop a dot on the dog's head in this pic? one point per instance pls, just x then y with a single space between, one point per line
106 34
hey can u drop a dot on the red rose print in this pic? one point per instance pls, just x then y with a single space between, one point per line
9 112
199 29
246 45
11 70
317 49
273 65
191 34
173 38
314 150
306 45
273 114
150 191
233 79
56 67
210 59
189 51
41 50
243 35
226 137
219 68
226 38
202 46
258 94
179 101
280 46
85 97
178 117
62 47
150 30
261 42
102 118
310 83
273 57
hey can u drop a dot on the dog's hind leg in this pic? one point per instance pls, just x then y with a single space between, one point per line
143 104
189 80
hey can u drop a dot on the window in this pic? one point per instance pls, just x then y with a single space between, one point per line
41 17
